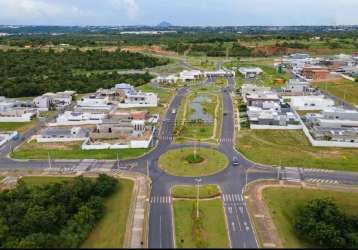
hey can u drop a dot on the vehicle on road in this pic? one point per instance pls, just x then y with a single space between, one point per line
235 161
174 111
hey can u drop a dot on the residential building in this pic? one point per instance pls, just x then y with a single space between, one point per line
190 75
72 118
311 102
136 99
250 72
18 115
316 73
58 100
63 135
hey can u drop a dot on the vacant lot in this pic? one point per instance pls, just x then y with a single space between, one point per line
291 148
190 192
175 162
344 89
284 202
16 126
72 150
209 232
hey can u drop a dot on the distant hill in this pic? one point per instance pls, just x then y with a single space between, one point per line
164 25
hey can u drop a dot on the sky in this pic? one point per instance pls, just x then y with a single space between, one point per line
179 12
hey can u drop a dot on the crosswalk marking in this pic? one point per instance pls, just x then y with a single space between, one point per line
161 200
323 181
166 138
318 170
232 198
226 140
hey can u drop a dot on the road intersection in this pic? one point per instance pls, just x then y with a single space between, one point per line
232 180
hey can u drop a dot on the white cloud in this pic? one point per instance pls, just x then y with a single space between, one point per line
130 6
38 10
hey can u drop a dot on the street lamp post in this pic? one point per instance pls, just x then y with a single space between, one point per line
198 180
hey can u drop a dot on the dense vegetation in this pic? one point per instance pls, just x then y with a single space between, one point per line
324 224
52 216
34 72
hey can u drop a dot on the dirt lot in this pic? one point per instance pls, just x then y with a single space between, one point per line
151 49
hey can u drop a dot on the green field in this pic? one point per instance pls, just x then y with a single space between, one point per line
190 192
284 202
213 232
199 131
17 126
344 89
72 150
291 148
110 231
174 162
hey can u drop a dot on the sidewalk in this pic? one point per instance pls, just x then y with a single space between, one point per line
137 226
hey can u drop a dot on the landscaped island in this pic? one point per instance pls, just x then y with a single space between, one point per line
193 162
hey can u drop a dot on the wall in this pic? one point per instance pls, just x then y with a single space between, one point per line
49 140
271 127
8 137
75 123
15 119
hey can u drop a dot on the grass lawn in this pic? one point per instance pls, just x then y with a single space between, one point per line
212 232
17 126
344 89
291 148
284 202
208 132
189 192
110 231
174 162
43 180
72 150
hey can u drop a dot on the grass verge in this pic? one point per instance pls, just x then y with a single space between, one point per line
17 126
291 148
189 192
209 231
283 204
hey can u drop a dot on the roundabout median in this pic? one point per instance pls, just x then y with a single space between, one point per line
193 162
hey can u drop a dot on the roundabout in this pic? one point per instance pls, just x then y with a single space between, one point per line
191 162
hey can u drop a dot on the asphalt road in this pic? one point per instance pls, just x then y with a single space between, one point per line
232 180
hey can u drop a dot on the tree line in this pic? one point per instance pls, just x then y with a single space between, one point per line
34 72
57 215
322 223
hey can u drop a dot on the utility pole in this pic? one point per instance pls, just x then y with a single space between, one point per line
198 180
117 160
49 160
148 169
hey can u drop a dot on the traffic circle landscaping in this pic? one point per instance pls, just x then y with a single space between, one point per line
191 162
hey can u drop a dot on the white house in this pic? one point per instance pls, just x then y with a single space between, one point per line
190 75
139 100
94 102
166 79
18 115
250 72
70 118
319 102
219 73
125 87
59 100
